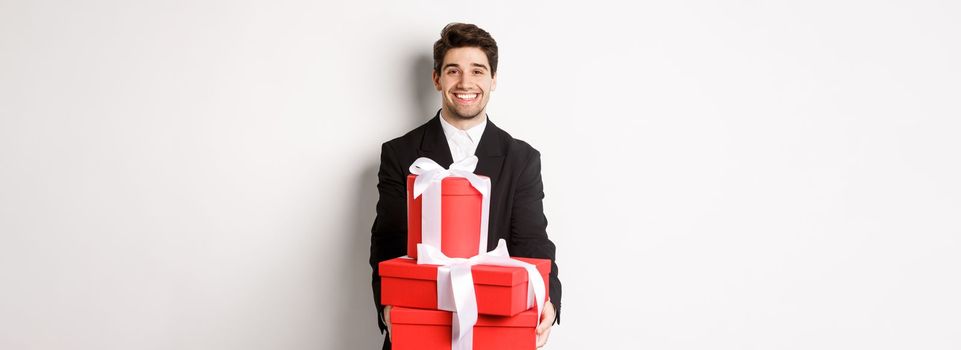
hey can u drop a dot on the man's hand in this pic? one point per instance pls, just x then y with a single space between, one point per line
544 326
387 321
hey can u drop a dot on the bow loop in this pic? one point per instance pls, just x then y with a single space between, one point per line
429 172
465 165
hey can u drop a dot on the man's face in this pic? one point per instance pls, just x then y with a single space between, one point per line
465 82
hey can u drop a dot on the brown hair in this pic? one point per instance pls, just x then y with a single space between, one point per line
457 35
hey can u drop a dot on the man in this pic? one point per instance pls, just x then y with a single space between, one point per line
465 74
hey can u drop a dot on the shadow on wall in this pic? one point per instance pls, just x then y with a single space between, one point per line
356 323
423 89
356 316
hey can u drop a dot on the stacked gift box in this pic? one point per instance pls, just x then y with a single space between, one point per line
449 292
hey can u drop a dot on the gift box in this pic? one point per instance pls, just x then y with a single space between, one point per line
500 290
431 330
461 206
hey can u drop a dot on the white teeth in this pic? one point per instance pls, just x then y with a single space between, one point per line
466 96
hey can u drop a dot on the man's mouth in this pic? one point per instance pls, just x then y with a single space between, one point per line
466 97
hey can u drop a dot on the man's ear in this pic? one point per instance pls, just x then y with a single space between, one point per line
436 78
494 82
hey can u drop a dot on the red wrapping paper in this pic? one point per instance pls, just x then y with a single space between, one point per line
499 290
460 218
431 330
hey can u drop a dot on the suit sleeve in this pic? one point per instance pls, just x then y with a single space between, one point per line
388 237
529 224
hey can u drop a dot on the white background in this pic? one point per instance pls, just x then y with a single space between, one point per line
739 175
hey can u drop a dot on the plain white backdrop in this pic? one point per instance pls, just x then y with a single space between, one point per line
719 175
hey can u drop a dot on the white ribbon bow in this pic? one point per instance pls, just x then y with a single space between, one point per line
428 182
455 287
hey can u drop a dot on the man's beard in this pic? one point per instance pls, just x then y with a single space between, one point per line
458 115
465 117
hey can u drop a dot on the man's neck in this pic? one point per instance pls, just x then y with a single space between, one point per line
464 124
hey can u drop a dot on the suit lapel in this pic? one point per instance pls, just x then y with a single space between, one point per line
434 145
490 152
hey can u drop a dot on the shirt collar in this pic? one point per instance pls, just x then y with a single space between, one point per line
473 133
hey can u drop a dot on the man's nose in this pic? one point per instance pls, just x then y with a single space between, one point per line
464 81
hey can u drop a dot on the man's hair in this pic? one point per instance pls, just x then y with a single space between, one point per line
457 35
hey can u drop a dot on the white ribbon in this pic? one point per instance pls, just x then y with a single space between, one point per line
428 182
455 287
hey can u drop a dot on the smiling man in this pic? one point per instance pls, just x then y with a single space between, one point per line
465 74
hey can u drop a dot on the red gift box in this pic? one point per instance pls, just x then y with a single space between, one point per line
500 290
431 330
460 218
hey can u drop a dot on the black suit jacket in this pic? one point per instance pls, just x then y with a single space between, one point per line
516 211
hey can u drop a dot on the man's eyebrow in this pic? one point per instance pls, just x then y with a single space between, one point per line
455 65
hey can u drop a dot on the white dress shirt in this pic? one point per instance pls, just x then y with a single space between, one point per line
463 143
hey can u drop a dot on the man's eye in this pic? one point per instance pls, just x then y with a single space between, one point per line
478 72
451 72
